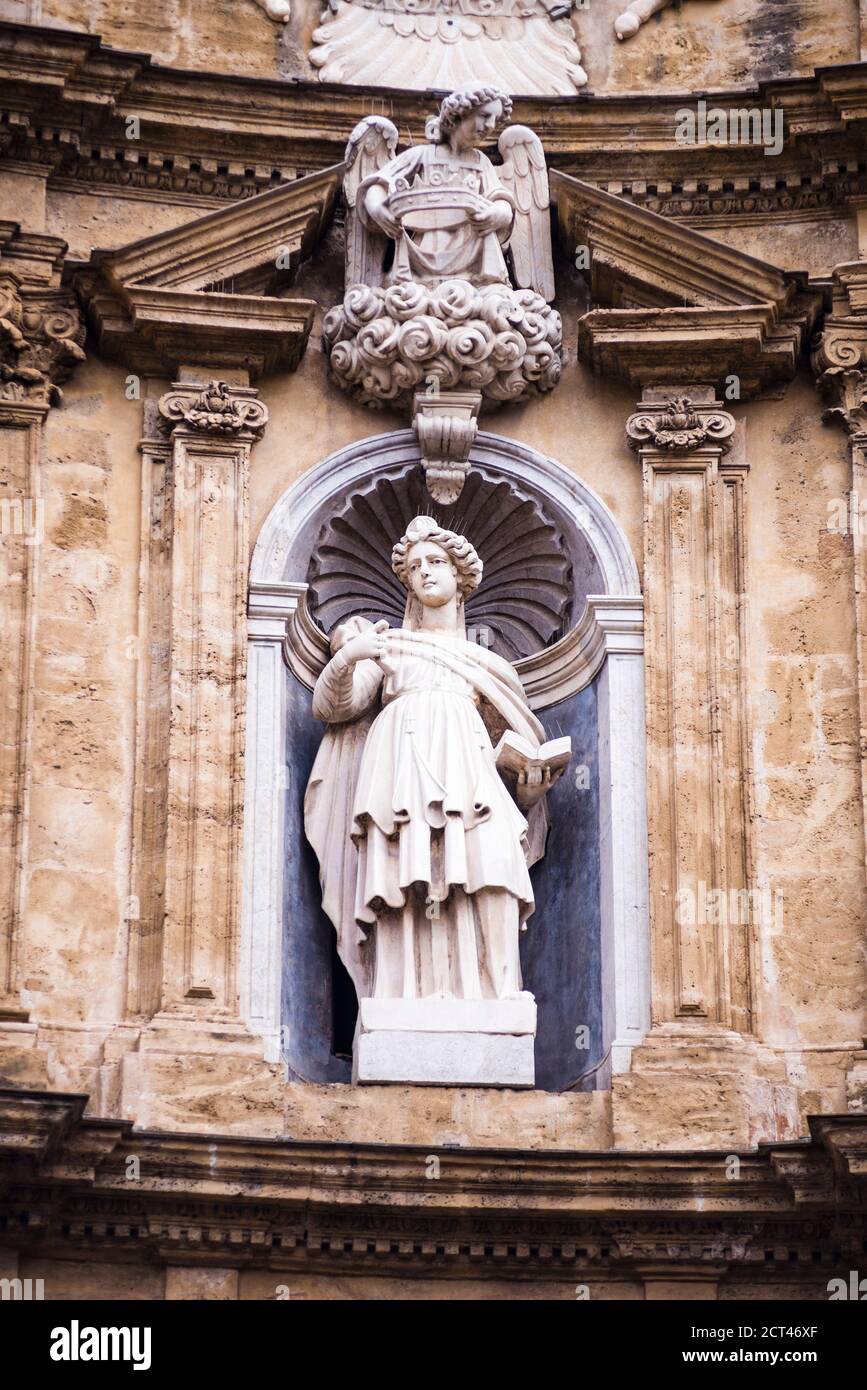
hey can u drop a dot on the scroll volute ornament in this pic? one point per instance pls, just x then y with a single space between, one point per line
217 409
840 363
679 425
41 340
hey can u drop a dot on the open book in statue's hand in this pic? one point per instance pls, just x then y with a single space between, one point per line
535 769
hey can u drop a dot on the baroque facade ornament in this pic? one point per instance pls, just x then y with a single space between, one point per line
41 340
526 47
525 599
216 409
679 425
430 307
839 356
637 14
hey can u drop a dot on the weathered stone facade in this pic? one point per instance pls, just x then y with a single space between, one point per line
172 238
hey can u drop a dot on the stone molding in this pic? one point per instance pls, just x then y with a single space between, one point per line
675 264
281 1205
227 119
606 643
205 292
681 348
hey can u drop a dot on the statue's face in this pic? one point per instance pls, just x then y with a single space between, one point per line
480 123
433 577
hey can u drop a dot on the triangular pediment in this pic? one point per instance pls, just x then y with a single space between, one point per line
215 287
675 304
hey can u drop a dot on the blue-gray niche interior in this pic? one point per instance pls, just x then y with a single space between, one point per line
532 593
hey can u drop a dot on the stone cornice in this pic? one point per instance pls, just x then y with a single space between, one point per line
277 1203
680 307
694 346
63 90
156 331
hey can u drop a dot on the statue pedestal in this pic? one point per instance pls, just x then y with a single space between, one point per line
446 1042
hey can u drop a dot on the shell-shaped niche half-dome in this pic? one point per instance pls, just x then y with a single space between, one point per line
524 601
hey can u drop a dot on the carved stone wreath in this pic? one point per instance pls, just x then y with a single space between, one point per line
384 344
524 601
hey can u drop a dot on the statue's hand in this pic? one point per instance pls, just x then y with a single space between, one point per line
369 645
376 203
494 218
532 784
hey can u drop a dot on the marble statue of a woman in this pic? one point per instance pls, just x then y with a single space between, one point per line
423 851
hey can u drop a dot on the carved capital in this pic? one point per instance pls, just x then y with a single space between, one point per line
678 425
847 388
217 408
445 425
840 363
41 340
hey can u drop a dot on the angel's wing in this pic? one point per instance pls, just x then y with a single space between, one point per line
371 145
524 174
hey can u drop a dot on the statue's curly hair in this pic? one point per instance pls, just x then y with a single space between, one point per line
460 103
462 555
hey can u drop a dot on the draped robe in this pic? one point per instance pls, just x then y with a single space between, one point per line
423 853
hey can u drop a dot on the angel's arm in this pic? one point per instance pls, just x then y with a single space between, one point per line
636 14
343 691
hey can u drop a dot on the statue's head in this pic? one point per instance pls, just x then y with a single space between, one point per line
434 564
470 115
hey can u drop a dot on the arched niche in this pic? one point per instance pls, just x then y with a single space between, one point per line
575 636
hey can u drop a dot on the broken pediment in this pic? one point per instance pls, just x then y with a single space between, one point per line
213 290
675 304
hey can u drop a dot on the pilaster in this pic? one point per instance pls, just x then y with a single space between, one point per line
191 766
840 363
41 339
696 710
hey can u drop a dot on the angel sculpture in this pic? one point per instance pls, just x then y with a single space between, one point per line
448 210
449 267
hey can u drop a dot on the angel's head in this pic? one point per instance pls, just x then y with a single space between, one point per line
469 115
435 565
